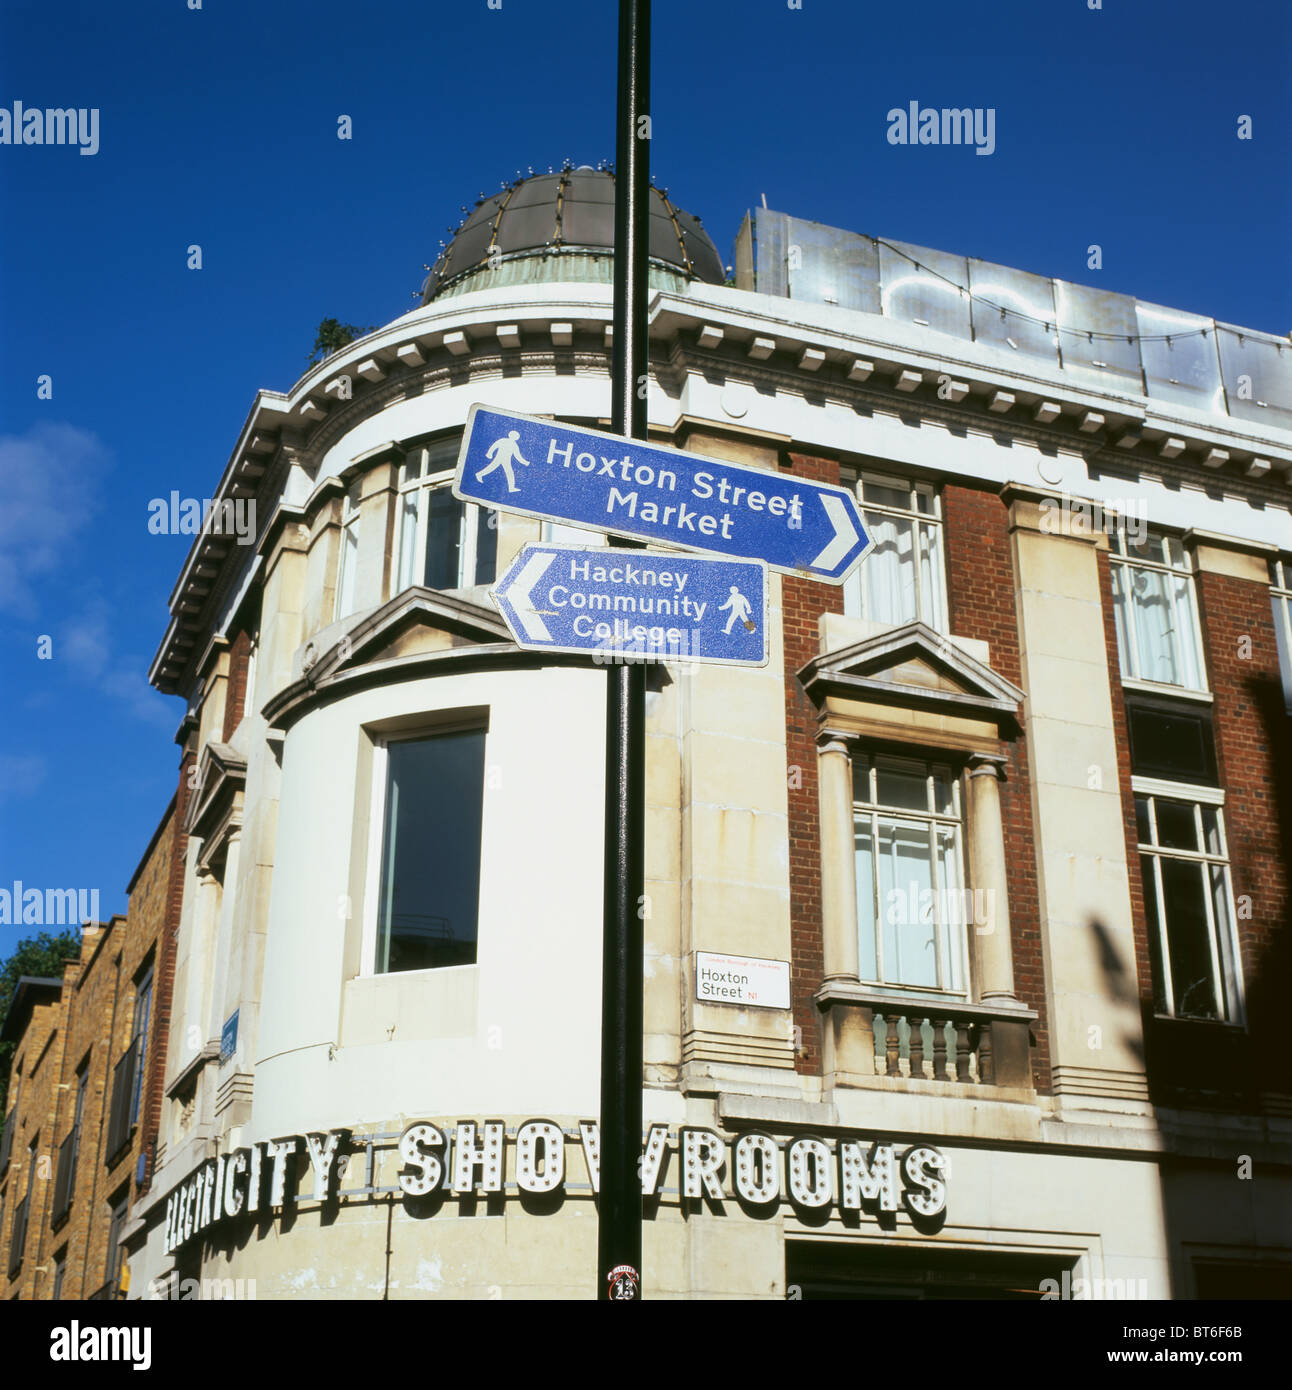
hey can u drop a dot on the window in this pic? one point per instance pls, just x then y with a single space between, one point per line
853 1271
428 899
1185 866
18 1236
1281 598
82 1084
65 1176
443 543
902 577
349 561
249 693
112 1273
1156 616
11 1120
139 1037
1169 741
910 875
60 1273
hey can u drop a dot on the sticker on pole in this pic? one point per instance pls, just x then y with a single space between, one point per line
624 1282
617 604
604 482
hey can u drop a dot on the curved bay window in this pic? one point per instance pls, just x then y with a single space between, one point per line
442 543
907 821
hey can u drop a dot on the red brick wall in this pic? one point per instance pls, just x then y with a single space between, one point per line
1254 752
1198 1063
802 603
236 692
980 586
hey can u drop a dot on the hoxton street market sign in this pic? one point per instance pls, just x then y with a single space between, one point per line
471 1159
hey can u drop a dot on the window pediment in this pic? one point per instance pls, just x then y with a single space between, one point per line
215 813
415 620
913 665
419 631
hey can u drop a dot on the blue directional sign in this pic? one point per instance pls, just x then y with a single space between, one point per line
572 598
608 483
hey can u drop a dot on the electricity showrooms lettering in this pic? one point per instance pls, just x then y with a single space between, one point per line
471 1158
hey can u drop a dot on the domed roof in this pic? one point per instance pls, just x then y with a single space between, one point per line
568 212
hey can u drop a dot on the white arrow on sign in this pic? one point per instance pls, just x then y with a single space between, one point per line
520 596
845 533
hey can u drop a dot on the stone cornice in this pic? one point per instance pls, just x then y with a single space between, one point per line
842 357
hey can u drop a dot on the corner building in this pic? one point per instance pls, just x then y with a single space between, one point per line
999 833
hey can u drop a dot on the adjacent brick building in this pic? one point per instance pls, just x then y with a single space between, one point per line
85 1091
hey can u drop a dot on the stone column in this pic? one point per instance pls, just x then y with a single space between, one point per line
846 1025
1003 1055
987 876
225 944
838 865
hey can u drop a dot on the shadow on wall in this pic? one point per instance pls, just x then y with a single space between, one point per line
1222 1193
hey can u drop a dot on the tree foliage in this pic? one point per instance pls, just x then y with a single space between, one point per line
332 337
42 955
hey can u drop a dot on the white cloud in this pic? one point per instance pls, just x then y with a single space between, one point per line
20 774
50 486
85 643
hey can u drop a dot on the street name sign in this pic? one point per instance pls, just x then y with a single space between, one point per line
593 599
651 492
742 980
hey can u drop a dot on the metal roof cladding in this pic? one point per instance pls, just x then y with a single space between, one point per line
572 210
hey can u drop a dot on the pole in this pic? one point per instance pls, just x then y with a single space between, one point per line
619 1231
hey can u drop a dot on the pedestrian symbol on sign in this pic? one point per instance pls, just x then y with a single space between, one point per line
501 453
739 606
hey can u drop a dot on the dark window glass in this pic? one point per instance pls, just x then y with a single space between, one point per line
443 540
143 1008
1187 934
844 1271
1146 863
486 546
430 889
1142 827
1175 745
1176 828
112 1270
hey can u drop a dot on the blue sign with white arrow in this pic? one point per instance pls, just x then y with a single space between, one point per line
605 482
595 599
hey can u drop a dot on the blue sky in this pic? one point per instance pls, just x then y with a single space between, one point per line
218 127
